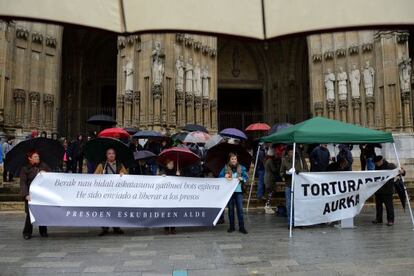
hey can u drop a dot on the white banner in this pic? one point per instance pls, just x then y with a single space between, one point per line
60 199
332 196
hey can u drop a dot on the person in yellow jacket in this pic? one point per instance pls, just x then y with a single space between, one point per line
111 166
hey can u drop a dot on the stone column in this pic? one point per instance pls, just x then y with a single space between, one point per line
19 97
128 109
180 100
198 110
331 109
157 94
120 110
356 104
136 104
189 103
48 101
318 107
343 109
34 98
213 106
406 99
370 103
206 113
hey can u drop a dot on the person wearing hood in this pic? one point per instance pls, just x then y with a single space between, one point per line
286 173
345 154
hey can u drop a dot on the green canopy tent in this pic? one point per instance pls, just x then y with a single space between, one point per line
326 131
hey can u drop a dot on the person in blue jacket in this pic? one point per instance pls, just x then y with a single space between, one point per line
234 170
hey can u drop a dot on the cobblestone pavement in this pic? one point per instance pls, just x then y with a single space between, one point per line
266 250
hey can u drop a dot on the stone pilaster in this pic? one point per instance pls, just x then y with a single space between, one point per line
48 102
180 101
34 98
189 103
136 106
356 104
331 109
370 104
206 113
343 109
406 99
128 97
157 95
213 106
19 96
198 110
318 107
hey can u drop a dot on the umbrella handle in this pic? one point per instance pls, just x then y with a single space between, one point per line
178 166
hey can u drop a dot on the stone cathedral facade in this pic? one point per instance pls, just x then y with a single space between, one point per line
52 78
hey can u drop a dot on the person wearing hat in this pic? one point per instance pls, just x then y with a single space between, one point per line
385 193
286 173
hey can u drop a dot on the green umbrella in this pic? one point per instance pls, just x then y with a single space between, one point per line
95 151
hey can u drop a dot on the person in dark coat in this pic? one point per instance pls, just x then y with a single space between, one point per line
27 174
170 170
77 154
345 153
319 158
385 193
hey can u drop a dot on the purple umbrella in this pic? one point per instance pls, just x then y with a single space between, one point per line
278 127
233 133
143 154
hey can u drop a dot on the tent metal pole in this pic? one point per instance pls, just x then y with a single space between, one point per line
252 181
405 187
291 191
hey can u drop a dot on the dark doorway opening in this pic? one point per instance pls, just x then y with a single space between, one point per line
239 107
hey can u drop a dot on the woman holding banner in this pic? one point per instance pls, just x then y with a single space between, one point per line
27 174
234 170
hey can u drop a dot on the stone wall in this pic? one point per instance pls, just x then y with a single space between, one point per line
30 55
361 77
166 81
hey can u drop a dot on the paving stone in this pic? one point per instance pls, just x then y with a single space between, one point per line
230 246
143 253
99 269
283 262
52 264
52 255
138 263
135 245
111 250
246 259
9 259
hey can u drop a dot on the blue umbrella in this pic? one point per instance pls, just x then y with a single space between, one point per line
145 134
143 154
233 133
278 127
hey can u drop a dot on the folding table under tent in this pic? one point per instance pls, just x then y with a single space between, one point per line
326 131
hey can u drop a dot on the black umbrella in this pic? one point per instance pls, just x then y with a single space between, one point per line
50 151
101 120
95 151
194 127
400 189
218 156
131 130
145 134
143 154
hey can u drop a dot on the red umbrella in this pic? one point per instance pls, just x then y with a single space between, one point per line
114 132
182 157
258 127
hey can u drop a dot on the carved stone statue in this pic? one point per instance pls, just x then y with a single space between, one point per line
197 80
179 77
329 85
368 74
189 76
205 77
128 69
405 74
342 78
355 80
157 65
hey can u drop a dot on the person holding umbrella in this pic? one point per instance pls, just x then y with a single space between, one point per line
234 170
111 166
27 174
